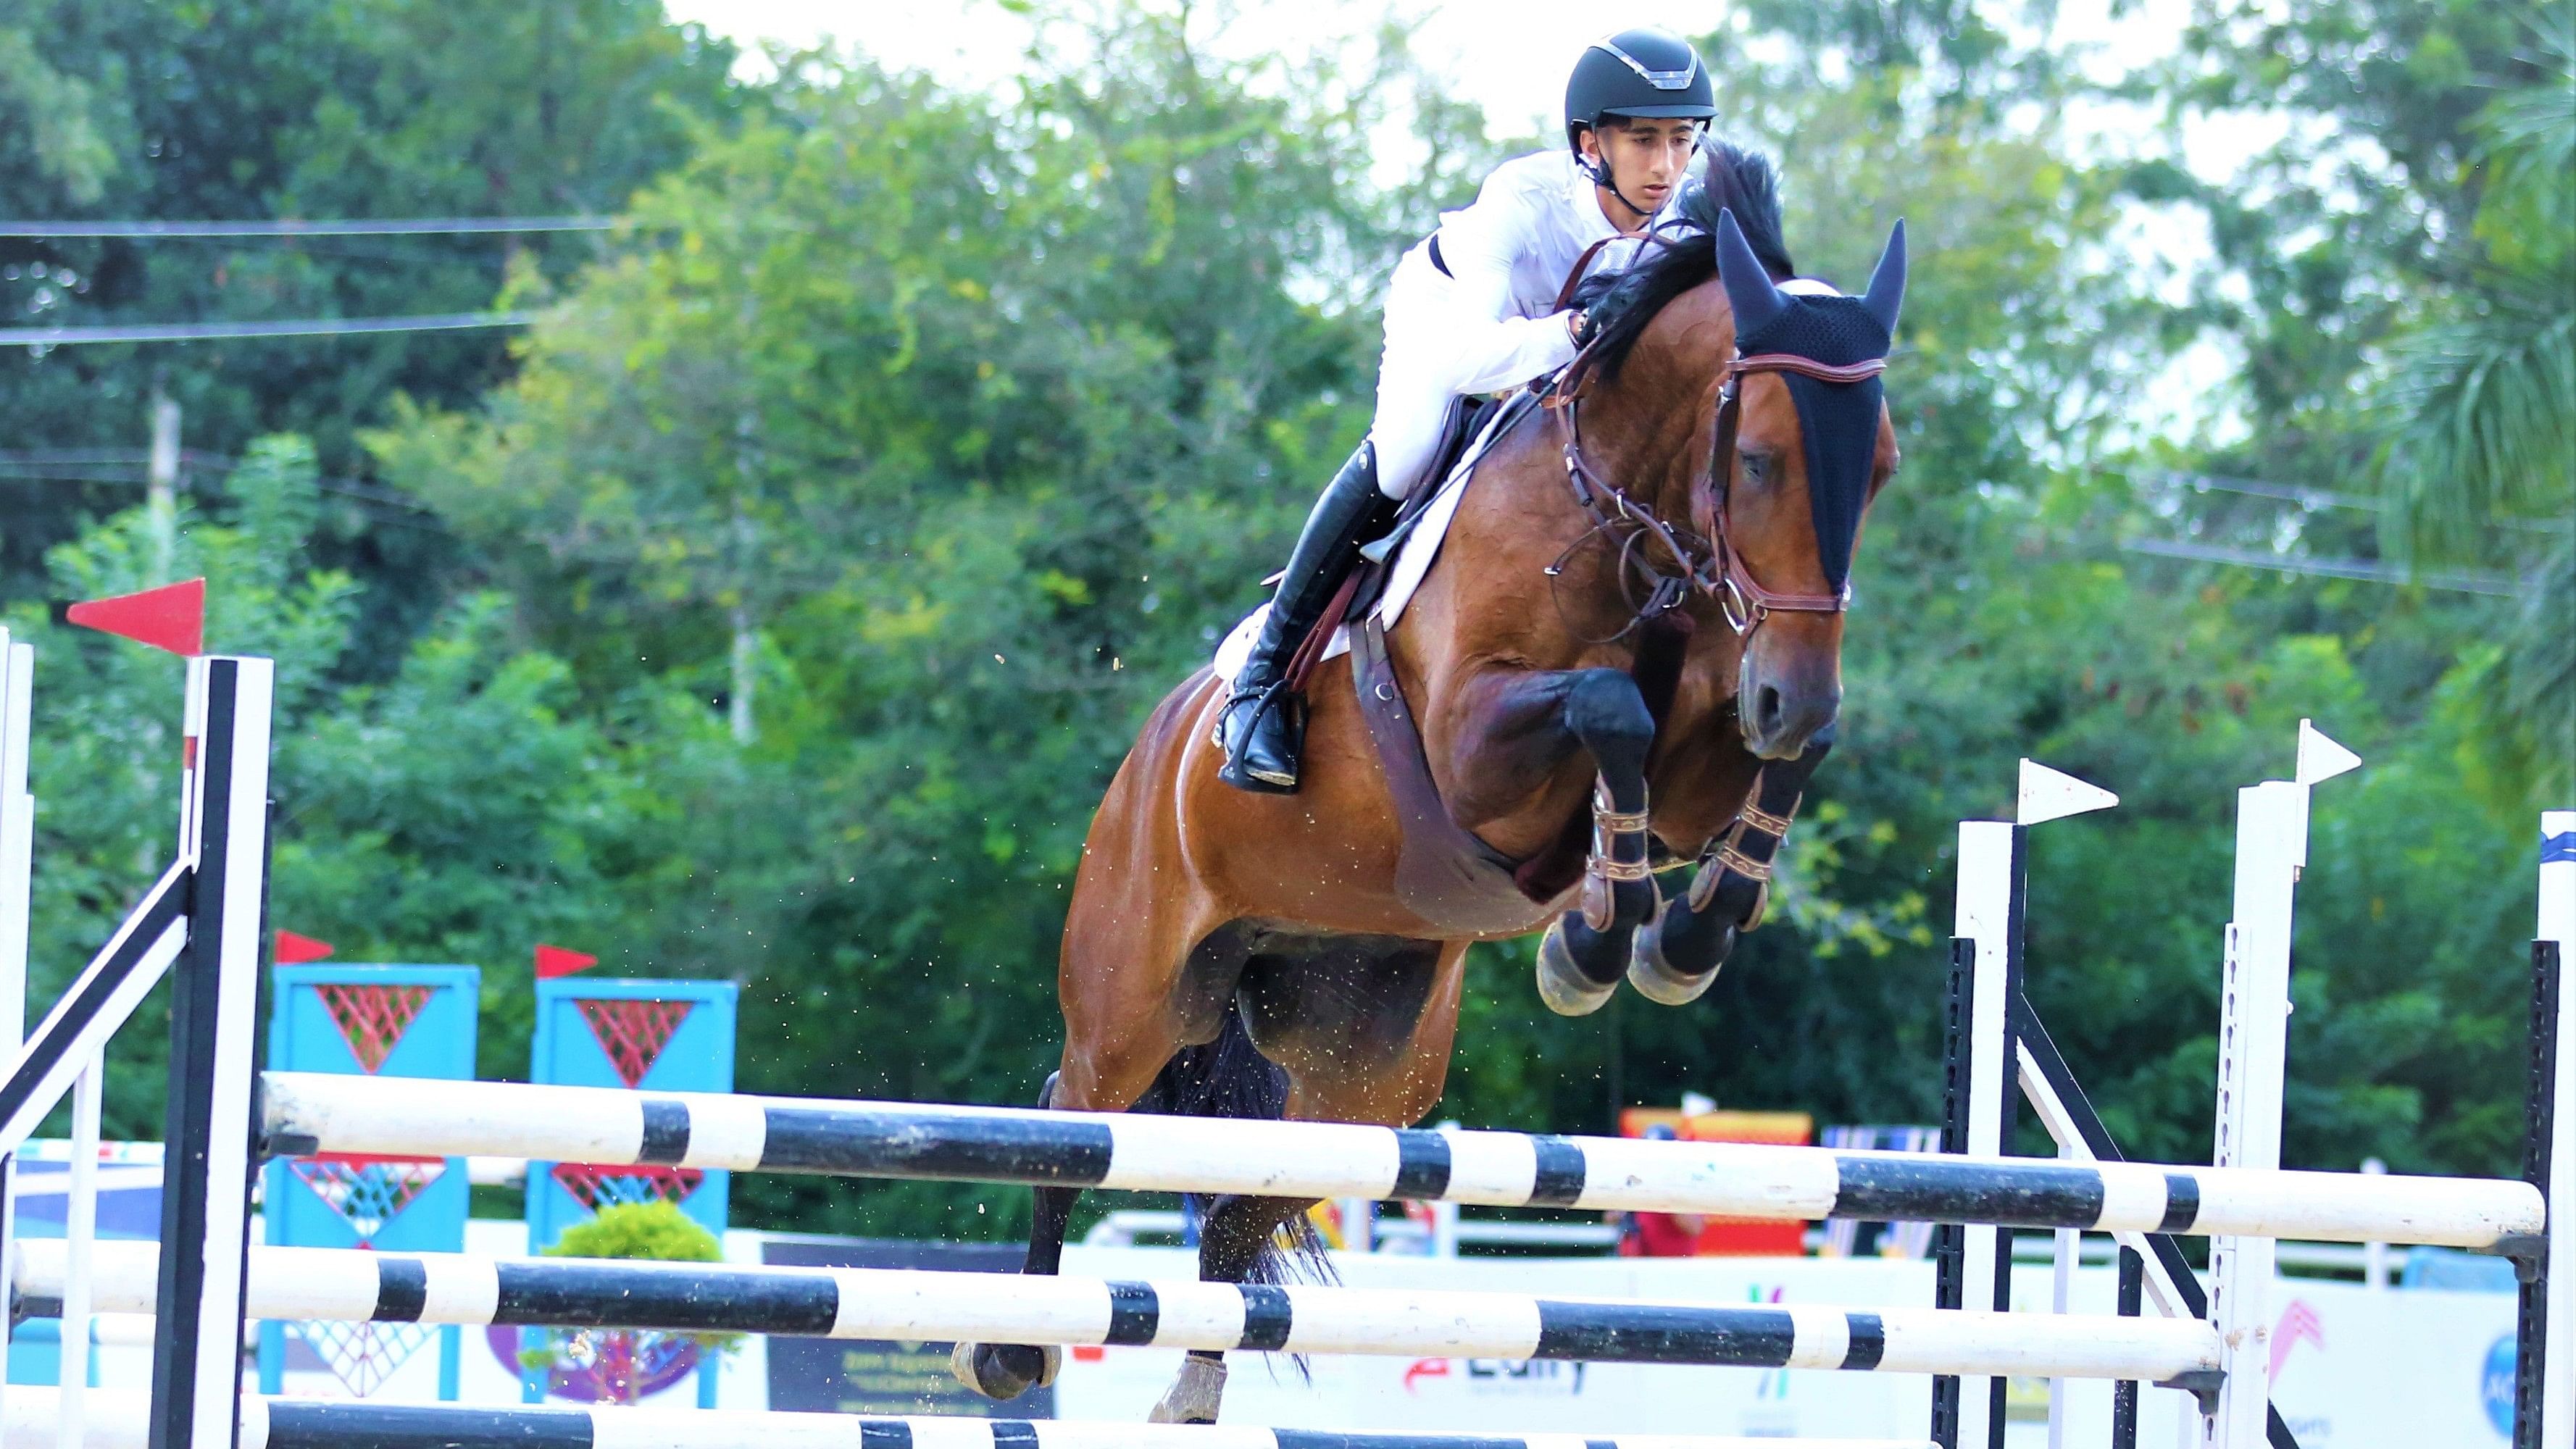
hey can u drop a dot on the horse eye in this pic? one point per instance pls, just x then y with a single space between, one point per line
1757 467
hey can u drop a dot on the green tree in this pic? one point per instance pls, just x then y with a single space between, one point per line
140 109
2479 421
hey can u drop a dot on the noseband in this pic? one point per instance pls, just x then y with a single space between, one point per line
1716 567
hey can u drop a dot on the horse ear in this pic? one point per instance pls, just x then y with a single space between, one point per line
1748 285
1887 285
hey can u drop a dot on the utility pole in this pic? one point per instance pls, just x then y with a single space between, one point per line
161 500
746 535
745 549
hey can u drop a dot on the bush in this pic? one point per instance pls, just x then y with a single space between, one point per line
652 1231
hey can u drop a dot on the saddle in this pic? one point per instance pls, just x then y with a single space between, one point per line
1444 872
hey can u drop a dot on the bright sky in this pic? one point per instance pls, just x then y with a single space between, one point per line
1509 56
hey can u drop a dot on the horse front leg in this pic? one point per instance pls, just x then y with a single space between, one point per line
1007 1370
1584 952
1676 958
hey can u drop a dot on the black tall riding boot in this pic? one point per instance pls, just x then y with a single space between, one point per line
1263 725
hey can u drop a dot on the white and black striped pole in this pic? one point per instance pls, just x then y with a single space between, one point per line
2545 1380
308 1113
350 1286
2253 1069
1986 951
214 1007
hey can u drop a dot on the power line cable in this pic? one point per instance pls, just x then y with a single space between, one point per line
287 226
2364 570
128 467
223 331
2301 494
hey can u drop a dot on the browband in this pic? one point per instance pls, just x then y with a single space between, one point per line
1807 367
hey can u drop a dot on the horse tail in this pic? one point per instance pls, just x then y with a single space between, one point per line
1229 1077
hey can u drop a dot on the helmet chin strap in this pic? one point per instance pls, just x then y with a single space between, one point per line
1602 176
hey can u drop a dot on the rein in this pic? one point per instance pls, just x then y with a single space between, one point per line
1703 566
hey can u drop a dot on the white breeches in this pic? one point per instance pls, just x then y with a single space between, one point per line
1416 374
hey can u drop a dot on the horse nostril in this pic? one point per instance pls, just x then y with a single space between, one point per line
1767 711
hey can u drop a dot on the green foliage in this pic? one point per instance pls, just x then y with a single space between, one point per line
2477 408
58 124
143 109
656 1231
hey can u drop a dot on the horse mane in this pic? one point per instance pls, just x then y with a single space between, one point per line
1620 304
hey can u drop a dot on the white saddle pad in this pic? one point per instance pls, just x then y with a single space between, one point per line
1412 566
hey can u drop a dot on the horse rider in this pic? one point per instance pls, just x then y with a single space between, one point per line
1473 309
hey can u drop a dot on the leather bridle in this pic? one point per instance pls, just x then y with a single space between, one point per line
1746 601
1704 567
1714 567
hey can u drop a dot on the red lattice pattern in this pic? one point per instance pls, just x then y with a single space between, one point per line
371 1018
367 1192
363 1355
632 1030
599 1187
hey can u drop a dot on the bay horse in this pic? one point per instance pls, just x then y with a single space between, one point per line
1626 655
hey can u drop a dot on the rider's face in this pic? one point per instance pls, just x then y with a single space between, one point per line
1647 156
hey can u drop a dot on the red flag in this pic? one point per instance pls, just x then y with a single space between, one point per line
172 618
295 950
554 961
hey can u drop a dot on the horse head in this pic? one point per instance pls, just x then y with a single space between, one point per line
1802 443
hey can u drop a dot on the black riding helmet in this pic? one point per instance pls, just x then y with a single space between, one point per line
1646 72
1643 72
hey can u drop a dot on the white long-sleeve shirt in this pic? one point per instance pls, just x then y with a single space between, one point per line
1507 255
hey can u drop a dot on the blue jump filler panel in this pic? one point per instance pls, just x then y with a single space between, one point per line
670 1036
398 1021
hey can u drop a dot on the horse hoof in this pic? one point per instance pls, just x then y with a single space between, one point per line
1656 980
1562 984
1194 1396
1005 1371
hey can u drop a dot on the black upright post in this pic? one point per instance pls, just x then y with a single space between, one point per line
2009 1046
1950 1240
2531 1329
2124 1392
205 1193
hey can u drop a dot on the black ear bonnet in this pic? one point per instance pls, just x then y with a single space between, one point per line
1838 421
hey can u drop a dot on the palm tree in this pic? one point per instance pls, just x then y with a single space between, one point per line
2479 410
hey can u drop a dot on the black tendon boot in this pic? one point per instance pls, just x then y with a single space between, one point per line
1263 725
